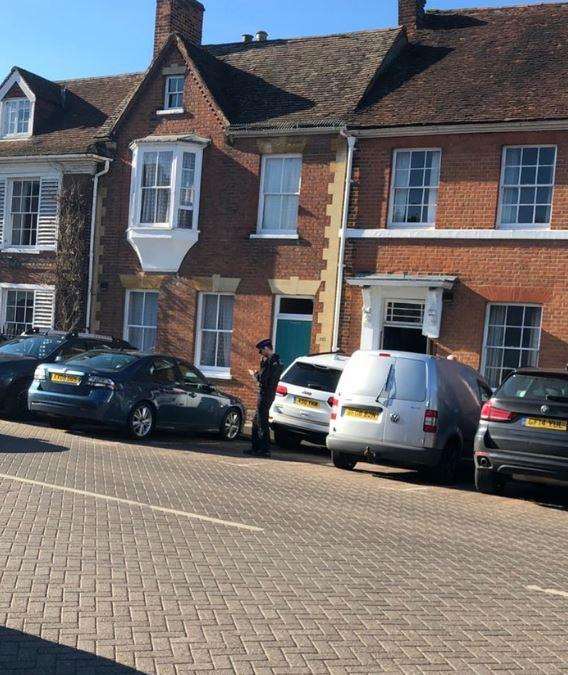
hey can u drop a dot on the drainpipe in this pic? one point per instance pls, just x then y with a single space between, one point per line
90 290
351 142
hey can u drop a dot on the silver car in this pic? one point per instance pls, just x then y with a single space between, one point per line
405 409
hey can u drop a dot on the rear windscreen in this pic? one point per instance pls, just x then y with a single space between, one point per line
311 376
99 360
541 387
407 380
384 377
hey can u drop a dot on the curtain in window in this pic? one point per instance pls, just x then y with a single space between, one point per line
281 186
143 319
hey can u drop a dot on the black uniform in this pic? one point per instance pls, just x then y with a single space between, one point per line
268 376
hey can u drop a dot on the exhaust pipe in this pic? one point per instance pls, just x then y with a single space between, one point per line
484 462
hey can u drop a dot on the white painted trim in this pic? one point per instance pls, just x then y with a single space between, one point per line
16 78
171 111
270 235
52 158
520 226
5 287
392 225
265 158
449 129
476 234
26 287
210 371
125 324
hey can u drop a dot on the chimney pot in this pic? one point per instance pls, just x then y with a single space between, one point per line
178 16
411 15
247 37
261 36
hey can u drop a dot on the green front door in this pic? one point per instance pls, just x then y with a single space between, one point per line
293 339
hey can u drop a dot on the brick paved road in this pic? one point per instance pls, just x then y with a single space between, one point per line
107 565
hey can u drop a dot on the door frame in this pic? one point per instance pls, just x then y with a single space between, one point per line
292 317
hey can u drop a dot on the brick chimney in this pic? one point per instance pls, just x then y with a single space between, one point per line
411 14
178 16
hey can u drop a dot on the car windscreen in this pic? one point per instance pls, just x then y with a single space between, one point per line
541 387
312 376
37 347
108 361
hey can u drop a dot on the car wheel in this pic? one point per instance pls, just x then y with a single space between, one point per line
488 482
342 461
141 421
285 439
447 470
17 404
232 425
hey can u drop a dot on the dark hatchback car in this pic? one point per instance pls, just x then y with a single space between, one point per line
523 432
135 391
20 356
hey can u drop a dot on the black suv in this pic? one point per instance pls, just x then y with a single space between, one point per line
20 357
523 432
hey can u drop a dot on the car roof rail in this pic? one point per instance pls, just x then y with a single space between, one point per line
336 352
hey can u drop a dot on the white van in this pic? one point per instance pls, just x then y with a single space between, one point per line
304 397
405 409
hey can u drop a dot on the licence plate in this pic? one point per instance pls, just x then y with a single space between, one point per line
369 415
306 403
548 424
63 378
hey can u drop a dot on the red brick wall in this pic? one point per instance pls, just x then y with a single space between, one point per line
488 270
228 216
178 16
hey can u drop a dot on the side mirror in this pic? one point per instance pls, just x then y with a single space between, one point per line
59 358
206 388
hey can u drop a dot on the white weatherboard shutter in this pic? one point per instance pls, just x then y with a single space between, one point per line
44 306
48 213
2 209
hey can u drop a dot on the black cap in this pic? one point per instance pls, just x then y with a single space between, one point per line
263 344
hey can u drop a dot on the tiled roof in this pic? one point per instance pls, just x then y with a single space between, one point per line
480 65
72 129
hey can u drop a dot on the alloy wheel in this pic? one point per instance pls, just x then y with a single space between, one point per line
232 425
142 421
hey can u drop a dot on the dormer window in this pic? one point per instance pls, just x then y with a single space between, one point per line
174 93
16 117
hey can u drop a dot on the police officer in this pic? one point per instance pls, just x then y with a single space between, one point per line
268 375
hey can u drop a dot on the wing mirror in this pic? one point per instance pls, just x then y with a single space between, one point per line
206 388
59 358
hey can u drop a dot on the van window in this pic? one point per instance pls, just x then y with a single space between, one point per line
312 376
407 380
365 375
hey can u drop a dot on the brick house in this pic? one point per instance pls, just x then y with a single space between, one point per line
458 233
47 145
223 206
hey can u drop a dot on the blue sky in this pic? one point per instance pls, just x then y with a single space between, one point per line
80 38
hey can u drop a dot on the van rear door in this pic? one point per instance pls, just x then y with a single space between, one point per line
405 401
360 412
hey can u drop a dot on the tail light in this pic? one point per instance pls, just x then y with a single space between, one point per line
281 390
430 421
334 403
493 414
101 382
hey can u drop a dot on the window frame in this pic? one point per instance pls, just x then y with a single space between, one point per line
485 346
126 324
277 234
525 226
17 134
5 288
391 223
214 372
167 93
8 241
178 150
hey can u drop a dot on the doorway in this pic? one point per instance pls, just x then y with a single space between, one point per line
293 320
402 327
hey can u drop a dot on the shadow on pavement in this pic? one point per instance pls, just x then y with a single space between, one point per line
24 653
24 445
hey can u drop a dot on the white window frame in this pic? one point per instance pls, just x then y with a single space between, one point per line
392 223
8 215
291 317
125 324
525 226
167 107
486 330
211 371
276 234
403 324
16 79
6 287
178 149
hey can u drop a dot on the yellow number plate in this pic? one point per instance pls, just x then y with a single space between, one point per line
306 403
63 378
362 414
548 424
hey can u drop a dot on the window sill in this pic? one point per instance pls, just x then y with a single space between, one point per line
30 251
16 137
216 374
171 111
462 233
275 235
411 226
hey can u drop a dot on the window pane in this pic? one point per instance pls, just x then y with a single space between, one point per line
291 175
513 156
210 306
290 205
151 309
530 156
401 178
226 304
224 350
547 156
272 211
273 175
149 169
136 308
162 206
208 348
418 203
165 160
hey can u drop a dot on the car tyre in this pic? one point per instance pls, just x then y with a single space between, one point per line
488 482
342 461
141 421
232 425
17 404
285 439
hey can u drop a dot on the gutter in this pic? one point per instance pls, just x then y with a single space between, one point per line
90 290
51 158
292 131
351 142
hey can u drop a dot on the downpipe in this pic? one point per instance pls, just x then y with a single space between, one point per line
90 290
